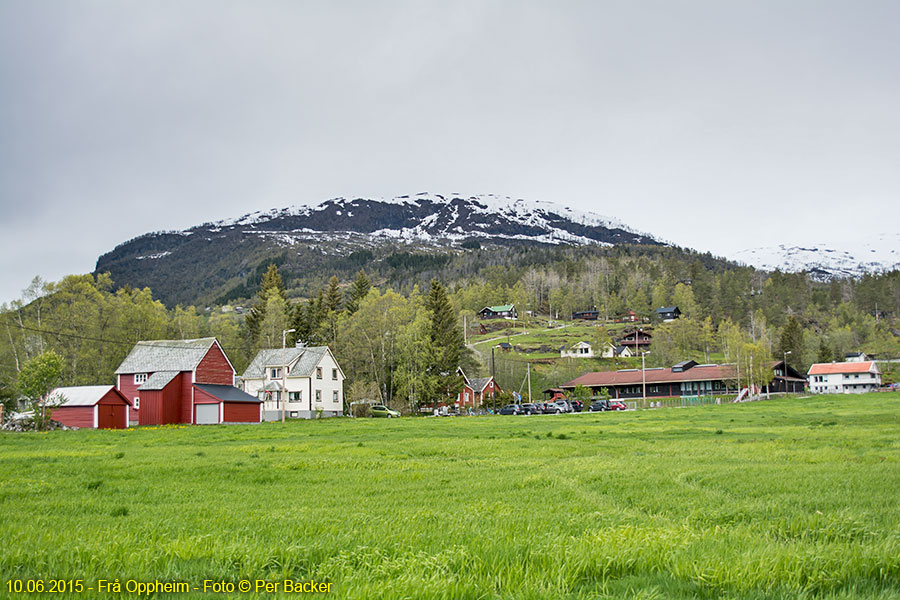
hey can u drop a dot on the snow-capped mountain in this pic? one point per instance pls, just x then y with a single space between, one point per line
214 260
873 254
427 217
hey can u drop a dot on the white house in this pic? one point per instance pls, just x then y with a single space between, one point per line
313 382
579 350
844 378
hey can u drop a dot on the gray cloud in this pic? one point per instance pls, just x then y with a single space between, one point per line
759 121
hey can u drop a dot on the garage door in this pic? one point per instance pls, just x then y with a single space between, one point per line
111 416
206 414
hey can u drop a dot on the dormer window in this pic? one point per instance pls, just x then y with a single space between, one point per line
140 378
275 373
318 372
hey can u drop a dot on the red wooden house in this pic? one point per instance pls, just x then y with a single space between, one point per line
477 391
175 381
94 406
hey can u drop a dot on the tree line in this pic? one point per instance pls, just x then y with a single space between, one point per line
400 343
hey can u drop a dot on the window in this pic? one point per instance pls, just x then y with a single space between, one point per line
137 403
295 396
334 396
334 374
276 373
318 395
140 378
318 372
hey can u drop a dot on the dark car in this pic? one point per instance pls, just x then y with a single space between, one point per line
548 408
617 405
530 408
599 406
511 409
577 405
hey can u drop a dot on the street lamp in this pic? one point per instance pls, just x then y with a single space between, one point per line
644 379
284 369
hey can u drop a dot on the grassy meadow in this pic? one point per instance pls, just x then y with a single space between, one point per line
794 498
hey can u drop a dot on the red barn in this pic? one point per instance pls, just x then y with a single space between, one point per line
160 378
95 406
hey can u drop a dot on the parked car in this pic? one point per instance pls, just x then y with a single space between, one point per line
562 406
599 405
617 405
380 410
548 408
577 405
511 409
530 408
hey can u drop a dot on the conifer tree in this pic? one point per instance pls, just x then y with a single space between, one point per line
446 340
271 283
333 299
358 290
791 341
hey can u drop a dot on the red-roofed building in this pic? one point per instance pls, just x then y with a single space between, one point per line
684 379
844 377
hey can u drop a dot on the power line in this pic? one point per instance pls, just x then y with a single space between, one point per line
102 340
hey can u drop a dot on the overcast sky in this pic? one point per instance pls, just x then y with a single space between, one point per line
717 125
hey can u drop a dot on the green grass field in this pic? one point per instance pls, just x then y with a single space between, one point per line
785 498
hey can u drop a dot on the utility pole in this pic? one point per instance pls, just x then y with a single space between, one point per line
785 373
283 392
529 382
644 380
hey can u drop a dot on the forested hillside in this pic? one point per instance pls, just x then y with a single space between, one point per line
380 323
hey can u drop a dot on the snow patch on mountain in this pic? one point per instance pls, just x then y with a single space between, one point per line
529 212
874 254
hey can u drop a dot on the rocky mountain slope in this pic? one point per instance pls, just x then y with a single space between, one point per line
216 260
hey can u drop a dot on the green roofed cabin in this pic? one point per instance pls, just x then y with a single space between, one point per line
504 311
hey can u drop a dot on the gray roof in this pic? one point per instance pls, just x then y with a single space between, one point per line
165 355
227 393
158 380
302 360
82 395
479 383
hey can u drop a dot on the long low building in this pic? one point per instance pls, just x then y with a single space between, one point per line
684 379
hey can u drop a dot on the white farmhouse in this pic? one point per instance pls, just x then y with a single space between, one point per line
844 377
313 382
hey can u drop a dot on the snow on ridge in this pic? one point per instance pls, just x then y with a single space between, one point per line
876 253
529 211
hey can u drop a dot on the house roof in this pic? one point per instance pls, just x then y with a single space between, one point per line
843 367
657 375
479 383
227 393
500 308
667 309
166 355
653 376
302 361
505 345
158 381
83 395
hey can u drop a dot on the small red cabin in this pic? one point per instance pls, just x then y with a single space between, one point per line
94 406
